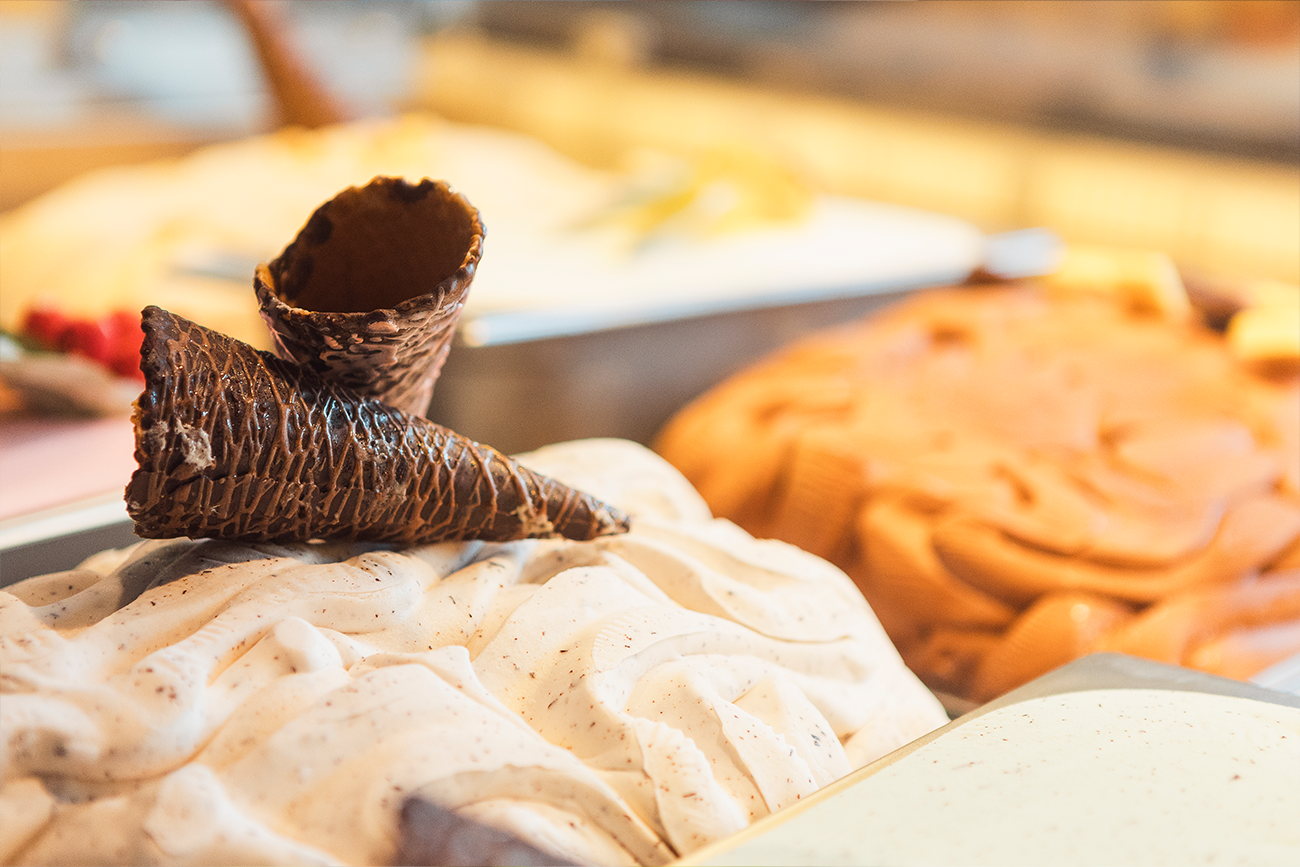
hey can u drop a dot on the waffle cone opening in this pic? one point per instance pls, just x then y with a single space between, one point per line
369 292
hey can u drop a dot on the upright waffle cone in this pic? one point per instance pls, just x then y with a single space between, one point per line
233 443
369 292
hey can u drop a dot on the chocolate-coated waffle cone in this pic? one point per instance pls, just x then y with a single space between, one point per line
233 443
369 292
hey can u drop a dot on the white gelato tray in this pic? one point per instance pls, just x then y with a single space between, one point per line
1107 760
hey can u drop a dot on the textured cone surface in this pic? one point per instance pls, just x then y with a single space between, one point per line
369 292
233 443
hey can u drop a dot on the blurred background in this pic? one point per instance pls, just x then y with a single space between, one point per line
144 158
1167 123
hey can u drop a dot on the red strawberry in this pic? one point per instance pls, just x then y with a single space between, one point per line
123 324
87 338
126 363
45 326
113 340
124 357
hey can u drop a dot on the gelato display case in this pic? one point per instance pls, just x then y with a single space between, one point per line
602 433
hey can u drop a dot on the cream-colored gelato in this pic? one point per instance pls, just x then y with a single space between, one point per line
619 701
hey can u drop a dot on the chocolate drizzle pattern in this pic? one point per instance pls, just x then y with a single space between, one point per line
233 443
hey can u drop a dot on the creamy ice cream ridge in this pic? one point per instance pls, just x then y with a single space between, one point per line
615 701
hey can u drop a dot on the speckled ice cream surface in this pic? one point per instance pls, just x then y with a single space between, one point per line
1116 776
619 701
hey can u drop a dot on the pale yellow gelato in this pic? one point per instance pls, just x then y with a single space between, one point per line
1104 776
